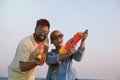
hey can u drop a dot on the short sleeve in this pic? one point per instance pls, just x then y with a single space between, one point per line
23 52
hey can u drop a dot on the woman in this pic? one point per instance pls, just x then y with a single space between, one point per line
60 65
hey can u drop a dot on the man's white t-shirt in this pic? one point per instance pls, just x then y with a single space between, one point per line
25 52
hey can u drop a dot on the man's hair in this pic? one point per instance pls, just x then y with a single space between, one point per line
43 22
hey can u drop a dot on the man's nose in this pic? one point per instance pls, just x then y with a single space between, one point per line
42 34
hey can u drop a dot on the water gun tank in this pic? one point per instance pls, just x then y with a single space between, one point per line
39 51
71 42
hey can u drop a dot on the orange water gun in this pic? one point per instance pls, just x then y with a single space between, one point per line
71 42
39 51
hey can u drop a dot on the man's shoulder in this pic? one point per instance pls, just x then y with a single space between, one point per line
27 39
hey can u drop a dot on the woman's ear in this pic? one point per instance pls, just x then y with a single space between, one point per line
51 42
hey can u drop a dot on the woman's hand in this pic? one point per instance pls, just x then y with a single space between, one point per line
84 36
71 50
82 44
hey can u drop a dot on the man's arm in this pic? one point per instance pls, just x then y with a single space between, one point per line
26 66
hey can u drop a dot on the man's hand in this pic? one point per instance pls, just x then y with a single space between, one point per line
41 61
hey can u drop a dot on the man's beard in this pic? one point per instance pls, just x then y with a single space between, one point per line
39 39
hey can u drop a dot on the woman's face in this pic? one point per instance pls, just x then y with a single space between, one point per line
57 39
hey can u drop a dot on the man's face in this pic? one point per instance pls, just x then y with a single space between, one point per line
41 33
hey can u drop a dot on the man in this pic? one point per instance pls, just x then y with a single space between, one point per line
25 60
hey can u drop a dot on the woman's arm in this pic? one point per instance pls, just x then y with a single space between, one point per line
78 54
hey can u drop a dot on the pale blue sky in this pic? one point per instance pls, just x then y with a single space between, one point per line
100 17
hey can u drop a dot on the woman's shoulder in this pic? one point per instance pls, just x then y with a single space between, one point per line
52 52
